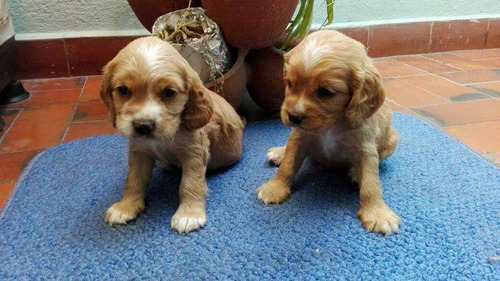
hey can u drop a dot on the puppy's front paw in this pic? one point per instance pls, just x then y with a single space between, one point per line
379 219
275 155
188 219
273 191
123 211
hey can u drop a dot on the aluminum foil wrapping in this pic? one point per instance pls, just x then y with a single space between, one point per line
192 27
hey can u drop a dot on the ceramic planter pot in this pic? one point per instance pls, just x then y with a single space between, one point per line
251 24
147 11
234 79
265 80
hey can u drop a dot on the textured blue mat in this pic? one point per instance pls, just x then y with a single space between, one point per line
448 197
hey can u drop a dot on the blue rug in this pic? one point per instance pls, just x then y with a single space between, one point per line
447 196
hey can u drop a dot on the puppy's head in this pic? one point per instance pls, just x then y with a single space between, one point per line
329 80
151 91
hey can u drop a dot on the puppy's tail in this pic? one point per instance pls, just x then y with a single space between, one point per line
243 121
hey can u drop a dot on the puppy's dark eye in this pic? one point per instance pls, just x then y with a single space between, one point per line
167 93
325 93
122 90
288 83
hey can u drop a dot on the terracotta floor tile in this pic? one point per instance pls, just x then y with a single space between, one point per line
359 34
91 112
459 62
8 116
493 40
408 95
461 113
478 54
392 68
41 58
12 164
483 137
38 128
91 89
400 39
493 157
398 108
459 35
426 64
490 63
47 98
491 88
5 189
54 84
475 76
83 130
443 87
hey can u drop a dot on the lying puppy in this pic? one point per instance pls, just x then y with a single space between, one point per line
157 100
334 102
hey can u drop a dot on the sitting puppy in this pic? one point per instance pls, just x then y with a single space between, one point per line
334 102
158 101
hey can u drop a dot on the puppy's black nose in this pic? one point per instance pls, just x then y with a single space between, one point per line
144 127
296 119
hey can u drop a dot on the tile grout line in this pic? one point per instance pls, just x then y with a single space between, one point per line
10 127
475 83
419 107
475 123
428 73
428 119
40 149
451 81
40 106
447 64
89 121
448 101
487 33
6 182
74 112
434 61
430 36
66 56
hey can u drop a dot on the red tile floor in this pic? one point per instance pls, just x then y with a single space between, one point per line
458 91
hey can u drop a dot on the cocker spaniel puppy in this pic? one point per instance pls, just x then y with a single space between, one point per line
334 101
157 100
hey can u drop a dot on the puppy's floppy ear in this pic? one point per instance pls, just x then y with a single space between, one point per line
106 91
199 107
368 95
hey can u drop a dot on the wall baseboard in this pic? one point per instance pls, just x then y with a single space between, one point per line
77 56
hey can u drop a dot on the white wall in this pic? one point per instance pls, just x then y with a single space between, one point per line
351 13
63 18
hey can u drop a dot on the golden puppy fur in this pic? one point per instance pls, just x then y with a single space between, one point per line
334 101
157 100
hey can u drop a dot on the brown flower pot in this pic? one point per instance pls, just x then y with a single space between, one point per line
251 24
147 11
235 80
265 81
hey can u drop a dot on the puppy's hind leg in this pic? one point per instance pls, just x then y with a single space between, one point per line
390 144
275 155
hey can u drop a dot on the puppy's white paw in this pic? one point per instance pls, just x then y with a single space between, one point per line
186 221
273 191
275 155
379 219
123 212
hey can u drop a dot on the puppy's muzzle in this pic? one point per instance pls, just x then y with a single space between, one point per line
144 127
296 118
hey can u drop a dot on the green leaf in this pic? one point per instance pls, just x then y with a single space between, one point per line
329 11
